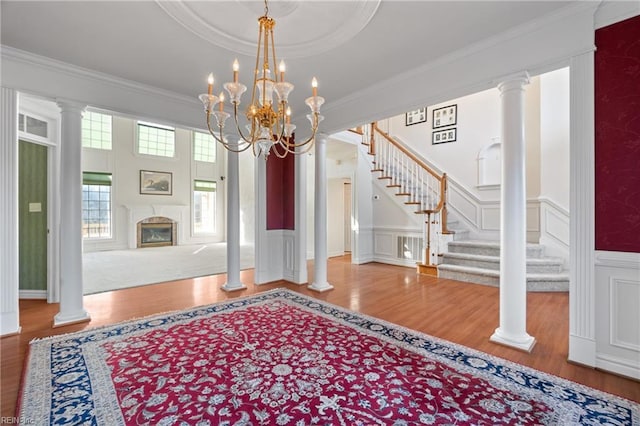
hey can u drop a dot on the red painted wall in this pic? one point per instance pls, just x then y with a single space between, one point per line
280 192
617 137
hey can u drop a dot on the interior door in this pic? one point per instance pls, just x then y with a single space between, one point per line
32 213
347 217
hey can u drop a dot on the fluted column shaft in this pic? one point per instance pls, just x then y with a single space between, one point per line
513 219
582 284
9 267
320 217
300 243
71 284
233 224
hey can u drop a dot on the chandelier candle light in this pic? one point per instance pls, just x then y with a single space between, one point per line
268 129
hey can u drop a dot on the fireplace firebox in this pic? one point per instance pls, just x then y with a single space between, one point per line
156 232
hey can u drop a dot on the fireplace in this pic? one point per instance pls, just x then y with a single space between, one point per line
156 232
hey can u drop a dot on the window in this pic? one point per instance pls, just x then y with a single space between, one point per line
155 139
204 207
96 205
33 126
96 130
204 147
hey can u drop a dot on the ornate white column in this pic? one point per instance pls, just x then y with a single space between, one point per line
513 219
233 224
582 343
300 241
320 217
71 285
9 267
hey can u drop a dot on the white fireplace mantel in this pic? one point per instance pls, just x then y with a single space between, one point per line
177 212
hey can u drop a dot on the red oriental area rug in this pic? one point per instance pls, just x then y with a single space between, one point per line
280 358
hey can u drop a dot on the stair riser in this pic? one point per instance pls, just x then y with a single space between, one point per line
495 265
532 252
532 285
469 277
460 234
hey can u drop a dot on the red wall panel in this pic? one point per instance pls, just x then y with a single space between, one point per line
280 192
617 137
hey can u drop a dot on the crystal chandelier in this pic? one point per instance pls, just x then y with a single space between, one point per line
269 128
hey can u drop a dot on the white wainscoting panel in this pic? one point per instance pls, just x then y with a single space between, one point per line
288 255
386 248
624 296
363 246
463 205
274 260
491 218
383 244
617 312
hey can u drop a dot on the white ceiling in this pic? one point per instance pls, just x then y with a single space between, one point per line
369 41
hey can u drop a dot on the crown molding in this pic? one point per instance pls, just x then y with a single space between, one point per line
21 56
476 49
610 12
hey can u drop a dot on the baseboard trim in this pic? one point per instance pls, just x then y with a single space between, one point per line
618 366
32 294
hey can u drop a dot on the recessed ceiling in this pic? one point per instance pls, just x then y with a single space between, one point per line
304 28
362 43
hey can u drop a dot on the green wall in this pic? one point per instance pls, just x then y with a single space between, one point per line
32 188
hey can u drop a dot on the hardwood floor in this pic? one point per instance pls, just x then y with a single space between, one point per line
459 312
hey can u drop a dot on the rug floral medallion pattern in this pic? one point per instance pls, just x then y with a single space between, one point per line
280 358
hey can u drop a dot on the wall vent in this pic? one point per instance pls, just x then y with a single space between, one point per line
410 248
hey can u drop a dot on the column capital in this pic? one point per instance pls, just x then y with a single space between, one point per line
321 138
71 105
512 81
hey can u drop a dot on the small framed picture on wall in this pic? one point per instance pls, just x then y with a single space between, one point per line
445 116
442 136
415 116
156 183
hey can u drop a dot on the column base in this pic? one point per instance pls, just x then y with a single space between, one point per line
321 288
233 286
431 270
523 343
61 320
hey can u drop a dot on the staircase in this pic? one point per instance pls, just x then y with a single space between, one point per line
478 261
420 186
450 254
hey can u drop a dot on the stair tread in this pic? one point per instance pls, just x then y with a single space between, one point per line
483 257
486 243
559 276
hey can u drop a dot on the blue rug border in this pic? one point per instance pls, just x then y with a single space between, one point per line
599 407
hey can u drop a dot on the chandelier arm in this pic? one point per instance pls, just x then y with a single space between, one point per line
293 150
304 151
235 118
220 139
211 131
280 127
275 151
314 129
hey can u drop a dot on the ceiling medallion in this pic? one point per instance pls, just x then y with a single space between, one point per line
308 27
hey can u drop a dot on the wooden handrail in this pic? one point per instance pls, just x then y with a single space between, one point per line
442 203
405 151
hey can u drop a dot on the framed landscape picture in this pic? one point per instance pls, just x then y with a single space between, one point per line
445 116
415 116
442 136
156 183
